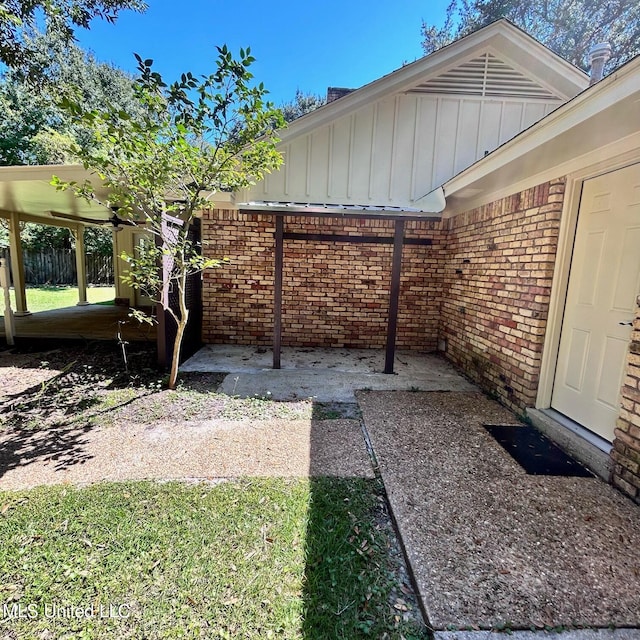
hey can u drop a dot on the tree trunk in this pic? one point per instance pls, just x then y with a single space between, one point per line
177 347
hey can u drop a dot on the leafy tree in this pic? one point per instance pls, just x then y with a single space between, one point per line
19 18
302 104
34 129
43 237
195 137
23 116
568 27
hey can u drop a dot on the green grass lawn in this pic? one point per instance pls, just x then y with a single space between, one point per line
260 558
45 298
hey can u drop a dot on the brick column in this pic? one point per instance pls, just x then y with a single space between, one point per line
626 446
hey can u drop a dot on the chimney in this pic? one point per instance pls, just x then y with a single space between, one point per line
598 57
333 93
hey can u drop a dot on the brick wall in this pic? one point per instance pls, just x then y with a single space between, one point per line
626 446
496 292
236 299
483 285
334 294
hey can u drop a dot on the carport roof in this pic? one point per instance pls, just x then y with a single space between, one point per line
28 191
429 210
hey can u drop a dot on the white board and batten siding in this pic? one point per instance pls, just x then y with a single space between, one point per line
397 149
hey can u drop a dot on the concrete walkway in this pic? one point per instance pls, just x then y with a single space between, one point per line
489 546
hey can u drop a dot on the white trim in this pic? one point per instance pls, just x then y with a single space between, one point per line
627 146
341 209
562 266
592 438
500 57
45 172
568 224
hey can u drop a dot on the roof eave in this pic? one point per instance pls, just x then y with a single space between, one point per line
335 210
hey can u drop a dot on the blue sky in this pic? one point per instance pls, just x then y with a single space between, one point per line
344 43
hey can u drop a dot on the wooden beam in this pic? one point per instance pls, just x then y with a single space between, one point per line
334 237
277 298
394 296
357 215
51 222
5 284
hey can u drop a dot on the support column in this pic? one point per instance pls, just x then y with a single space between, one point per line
5 283
17 266
394 296
81 269
277 302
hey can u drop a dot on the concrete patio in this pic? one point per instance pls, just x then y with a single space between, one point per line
326 375
489 545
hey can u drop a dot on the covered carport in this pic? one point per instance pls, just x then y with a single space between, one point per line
28 195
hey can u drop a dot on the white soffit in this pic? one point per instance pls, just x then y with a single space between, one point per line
487 76
28 190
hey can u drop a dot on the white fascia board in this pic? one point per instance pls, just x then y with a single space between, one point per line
614 88
310 209
599 160
43 172
433 201
565 70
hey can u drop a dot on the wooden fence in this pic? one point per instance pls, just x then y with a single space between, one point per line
58 267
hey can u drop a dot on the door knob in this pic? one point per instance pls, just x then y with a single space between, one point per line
626 324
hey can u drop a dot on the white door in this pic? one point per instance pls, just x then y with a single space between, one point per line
603 284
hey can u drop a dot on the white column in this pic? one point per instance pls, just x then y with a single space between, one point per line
123 243
81 269
17 265
9 326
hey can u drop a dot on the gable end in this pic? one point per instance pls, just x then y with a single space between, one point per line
486 76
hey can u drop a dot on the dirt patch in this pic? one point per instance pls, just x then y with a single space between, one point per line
25 367
79 416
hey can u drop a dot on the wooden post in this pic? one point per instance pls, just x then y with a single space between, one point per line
5 284
394 296
17 265
277 302
81 268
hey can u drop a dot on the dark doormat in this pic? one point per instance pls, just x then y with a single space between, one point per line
535 453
